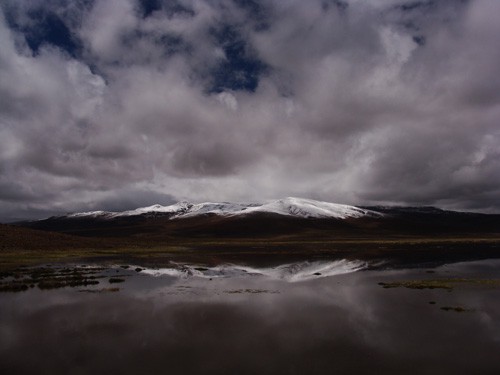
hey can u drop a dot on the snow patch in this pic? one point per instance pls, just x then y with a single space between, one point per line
309 208
89 214
172 209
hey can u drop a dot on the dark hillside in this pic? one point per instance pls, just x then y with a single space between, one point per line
396 223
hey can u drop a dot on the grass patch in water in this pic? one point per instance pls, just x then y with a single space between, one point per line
457 309
45 277
447 284
13 287
114 280
102 290
250 291
61 283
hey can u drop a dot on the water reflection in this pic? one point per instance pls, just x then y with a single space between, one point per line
340 324
291 272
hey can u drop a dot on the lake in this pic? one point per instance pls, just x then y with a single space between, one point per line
303 318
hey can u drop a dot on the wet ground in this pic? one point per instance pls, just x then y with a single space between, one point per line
307 317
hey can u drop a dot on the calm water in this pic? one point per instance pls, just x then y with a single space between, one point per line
237 320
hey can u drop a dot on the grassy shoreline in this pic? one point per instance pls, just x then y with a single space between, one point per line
219 250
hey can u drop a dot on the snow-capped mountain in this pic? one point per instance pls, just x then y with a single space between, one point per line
295 207
288 218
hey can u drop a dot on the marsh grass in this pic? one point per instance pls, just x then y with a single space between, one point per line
23 278
102 290
13 287
447 284
34 247
114 280
71 282
250 291
458 309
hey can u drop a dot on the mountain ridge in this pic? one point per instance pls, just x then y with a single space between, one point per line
290 206
288 218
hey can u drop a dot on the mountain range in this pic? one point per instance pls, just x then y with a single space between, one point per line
273 232
295 207
289 217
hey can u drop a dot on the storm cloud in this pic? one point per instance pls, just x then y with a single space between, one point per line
121 103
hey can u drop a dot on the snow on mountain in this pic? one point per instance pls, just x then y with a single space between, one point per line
308 208
177 208
89 214
296 207
222 209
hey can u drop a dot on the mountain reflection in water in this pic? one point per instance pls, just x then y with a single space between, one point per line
346 324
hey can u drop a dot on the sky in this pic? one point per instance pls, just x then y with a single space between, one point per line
117 104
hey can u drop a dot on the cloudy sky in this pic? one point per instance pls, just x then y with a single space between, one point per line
115 104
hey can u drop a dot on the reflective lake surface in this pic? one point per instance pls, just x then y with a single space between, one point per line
304 318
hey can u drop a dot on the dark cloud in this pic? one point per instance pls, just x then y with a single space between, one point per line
129 199
388 101
14 192
218 159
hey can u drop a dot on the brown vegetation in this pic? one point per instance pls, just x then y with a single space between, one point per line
257 239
